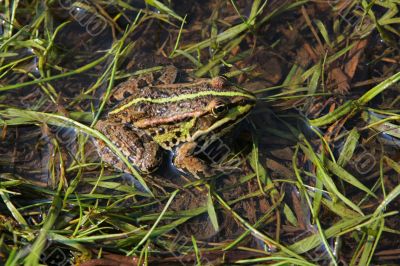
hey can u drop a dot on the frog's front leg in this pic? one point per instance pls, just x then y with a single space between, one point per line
186 161
141 151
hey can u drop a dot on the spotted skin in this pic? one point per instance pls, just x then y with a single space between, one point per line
155 112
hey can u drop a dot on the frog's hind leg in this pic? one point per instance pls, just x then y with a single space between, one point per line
167 75
124 90
141 151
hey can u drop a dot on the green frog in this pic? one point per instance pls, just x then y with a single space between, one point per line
155 112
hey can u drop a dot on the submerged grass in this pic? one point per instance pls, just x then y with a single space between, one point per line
299 198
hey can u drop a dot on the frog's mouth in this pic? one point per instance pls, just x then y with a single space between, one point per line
235 114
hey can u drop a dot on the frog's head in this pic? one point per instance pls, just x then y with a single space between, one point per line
227 105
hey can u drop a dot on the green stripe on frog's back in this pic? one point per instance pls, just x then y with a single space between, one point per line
182 97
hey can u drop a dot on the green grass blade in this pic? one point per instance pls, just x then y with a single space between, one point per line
163 8
347 177
349 147
372 93
346 108
30 117
326 179
59 76
39 244
212 213
148 234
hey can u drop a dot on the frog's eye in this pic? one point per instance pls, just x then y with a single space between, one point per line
220 109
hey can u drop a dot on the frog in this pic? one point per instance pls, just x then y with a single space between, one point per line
170 111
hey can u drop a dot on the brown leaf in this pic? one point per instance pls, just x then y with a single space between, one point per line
354 55
339 80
